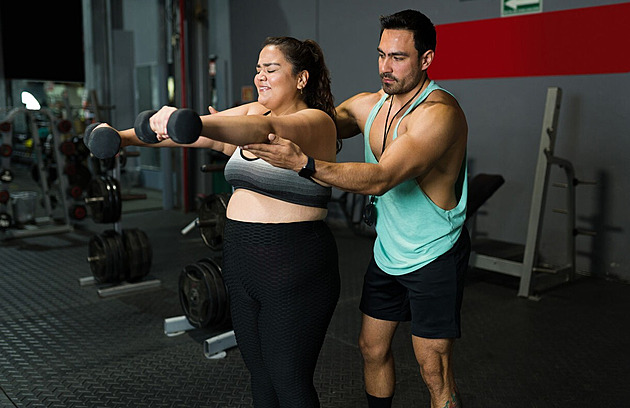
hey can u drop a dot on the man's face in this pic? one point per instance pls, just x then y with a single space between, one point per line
398 62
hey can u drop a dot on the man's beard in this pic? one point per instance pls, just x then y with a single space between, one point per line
398 88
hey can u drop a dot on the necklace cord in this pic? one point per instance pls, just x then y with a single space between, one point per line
388 127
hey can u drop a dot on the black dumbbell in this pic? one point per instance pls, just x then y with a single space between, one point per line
184 126
104 142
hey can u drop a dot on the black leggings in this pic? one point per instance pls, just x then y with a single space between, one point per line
283 282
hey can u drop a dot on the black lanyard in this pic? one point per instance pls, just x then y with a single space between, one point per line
388 127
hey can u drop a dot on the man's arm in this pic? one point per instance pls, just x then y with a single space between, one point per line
352 114
430 133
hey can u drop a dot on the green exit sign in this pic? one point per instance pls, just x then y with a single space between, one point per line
514 7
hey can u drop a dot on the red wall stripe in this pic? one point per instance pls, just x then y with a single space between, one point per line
592 40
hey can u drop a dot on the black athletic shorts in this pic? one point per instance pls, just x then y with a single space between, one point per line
431 297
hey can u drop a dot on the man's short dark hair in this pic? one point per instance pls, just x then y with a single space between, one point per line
412 20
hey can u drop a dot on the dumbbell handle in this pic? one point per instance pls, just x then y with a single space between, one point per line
94 199
183 126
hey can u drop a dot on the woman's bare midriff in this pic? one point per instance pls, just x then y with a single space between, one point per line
249 206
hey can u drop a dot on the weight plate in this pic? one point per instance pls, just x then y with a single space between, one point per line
194 295
75 192
6 150
4 197
220 291
81 175
212 220
100 258
78 212
135 265
68 148
118 255
116 195
147 251
98 200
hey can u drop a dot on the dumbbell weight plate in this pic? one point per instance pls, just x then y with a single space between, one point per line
147 251
116 195
119 258
194 295
78 212
212 220
101 210
100 257
6 150
219 290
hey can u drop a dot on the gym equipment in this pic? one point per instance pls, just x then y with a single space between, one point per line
522 261
203 295
78 174
205 301
4 196
184 126
5 221
211 220
480 189
45 224
78 212
6 176
213 347
104 199
103 142
75 192
6 150
115 257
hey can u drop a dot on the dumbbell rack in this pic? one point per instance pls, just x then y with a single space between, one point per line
43 225
121 288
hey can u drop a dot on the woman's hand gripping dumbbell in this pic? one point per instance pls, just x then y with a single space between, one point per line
181 125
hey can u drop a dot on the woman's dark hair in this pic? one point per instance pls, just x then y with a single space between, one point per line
412 20
307 55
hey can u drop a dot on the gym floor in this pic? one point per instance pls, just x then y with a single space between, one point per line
63 345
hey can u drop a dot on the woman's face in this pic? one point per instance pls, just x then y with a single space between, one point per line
274 79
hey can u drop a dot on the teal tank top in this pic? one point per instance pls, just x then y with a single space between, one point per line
411 230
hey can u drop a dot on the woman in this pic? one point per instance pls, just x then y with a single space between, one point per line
280 259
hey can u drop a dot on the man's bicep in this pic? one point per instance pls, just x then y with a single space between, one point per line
415 153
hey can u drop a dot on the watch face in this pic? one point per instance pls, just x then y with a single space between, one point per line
306 172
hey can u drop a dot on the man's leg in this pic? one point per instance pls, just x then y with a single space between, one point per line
434 358
378 363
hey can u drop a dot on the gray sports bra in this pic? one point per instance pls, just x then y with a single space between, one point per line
286 185
259 176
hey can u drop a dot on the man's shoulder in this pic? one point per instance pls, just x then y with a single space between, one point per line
368 98
360 104
439 102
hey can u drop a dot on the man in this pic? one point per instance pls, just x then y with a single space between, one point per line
415 173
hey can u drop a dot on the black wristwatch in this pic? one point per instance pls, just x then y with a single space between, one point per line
308 170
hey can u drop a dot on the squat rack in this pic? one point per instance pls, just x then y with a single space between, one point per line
522 261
